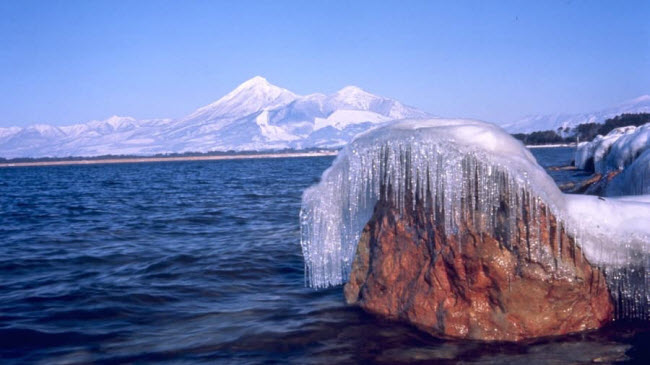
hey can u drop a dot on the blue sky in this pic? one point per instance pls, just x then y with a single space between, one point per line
64 62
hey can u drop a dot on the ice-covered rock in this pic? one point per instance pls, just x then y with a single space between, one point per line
623 149
591 155
628 147
459 163
471 178
634 180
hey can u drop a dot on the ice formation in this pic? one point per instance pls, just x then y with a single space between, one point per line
626 149
634 180
615 151
459 166
591 155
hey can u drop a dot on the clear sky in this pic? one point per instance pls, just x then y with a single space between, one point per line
64 62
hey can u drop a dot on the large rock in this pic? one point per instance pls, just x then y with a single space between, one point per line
471 285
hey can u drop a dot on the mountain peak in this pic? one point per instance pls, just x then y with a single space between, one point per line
254 82
256 115
356 98
116 119
352 90
258 86
249 97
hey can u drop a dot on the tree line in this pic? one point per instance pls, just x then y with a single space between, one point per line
582 132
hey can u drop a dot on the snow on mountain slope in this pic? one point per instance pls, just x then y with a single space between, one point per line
342 118
254 116
7 132
555 121
249 97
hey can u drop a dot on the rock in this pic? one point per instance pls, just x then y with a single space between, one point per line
582 187
563 168
469 285
566 187
596 184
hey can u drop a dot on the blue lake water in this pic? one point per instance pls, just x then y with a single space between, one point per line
189 262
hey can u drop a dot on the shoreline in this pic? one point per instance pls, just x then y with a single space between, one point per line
82 161
550 145
144 159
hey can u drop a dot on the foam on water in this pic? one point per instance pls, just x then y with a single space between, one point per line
455 166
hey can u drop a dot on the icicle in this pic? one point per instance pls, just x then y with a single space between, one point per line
465 169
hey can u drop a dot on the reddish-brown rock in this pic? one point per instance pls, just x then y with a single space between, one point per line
596 184
472 285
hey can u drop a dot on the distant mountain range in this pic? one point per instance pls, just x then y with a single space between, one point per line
554 122
254 116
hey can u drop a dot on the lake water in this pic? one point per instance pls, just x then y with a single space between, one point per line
190 262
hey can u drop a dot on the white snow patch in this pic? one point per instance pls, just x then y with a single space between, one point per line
343 118
271 132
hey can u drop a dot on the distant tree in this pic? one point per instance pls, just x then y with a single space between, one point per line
586 131
540 138
520 136
544 137
624 120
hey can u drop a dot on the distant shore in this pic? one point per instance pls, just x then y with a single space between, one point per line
85 161
141 159
550 145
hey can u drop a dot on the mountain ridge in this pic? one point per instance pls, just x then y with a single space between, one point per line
256 115
563 121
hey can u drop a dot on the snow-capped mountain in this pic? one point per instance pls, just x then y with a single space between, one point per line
254 116
556 121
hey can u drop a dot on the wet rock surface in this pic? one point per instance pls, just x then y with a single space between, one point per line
596 184
468 284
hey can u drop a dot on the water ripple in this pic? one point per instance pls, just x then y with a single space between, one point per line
192 262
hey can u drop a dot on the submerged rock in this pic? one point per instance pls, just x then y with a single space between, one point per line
470 285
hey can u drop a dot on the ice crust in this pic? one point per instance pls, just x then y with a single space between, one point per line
626 149
597 150
460 166
634 180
